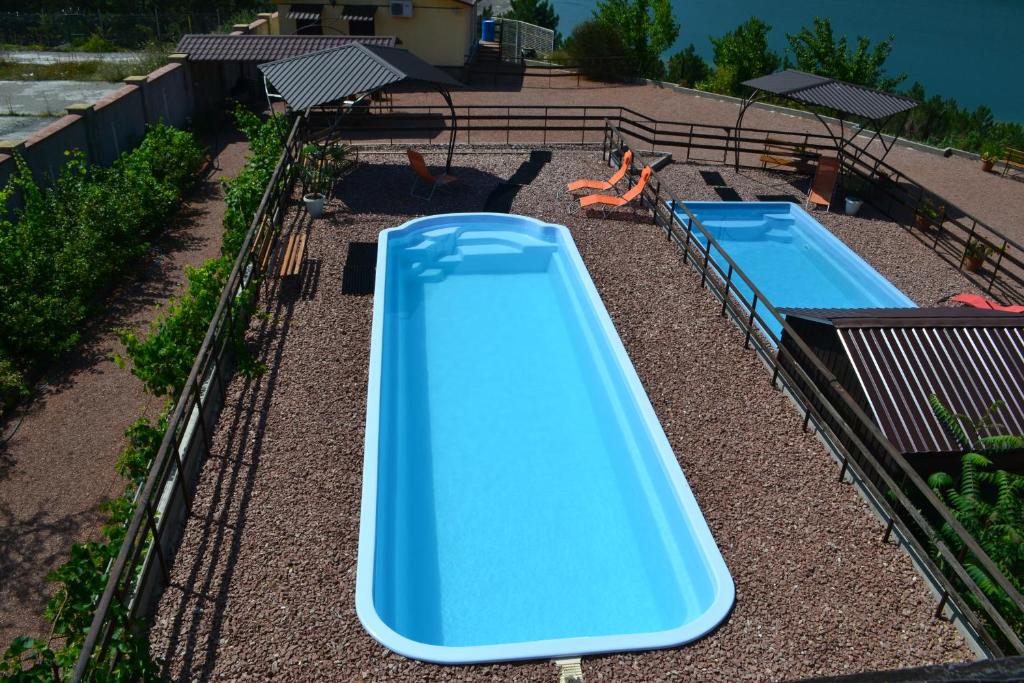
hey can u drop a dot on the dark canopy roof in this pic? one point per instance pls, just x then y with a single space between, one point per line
969 357
843 97
331 75
203 47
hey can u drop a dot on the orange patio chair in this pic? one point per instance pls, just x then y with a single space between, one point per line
422 173
824 183
606 200
585 184
978 301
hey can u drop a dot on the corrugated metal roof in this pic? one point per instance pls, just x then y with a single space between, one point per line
831 93
331 75
907 317
970 359
202 47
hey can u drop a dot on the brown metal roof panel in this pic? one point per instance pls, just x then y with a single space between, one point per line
908 317
969 368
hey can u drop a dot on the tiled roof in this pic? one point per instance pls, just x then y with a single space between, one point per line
203 47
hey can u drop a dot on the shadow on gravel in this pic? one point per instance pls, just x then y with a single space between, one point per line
363 190
243 423
26 543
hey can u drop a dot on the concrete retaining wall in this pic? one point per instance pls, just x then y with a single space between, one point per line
109 127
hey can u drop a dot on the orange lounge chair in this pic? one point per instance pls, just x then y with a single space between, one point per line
978 301
606 200
422 173
824 183
585 184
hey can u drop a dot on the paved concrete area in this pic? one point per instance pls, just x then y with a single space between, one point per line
49 97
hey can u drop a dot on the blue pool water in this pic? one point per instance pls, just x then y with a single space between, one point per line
520 498
791 258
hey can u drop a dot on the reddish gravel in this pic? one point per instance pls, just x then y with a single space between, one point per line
59 465
263 583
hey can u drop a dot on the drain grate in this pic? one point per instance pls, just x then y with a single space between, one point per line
360 269
569 670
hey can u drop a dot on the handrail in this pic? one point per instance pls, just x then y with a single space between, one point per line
951 235
730 295
146 530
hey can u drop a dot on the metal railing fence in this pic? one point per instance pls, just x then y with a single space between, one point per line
516 37
892 192
165 498
898 507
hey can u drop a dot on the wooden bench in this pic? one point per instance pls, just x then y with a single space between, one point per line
788 154
294 253
1014 161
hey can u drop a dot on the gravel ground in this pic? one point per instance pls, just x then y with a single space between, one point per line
263 584
996 200
58 465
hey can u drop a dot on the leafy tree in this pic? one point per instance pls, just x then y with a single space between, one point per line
688 68
597 50
539 12
647 28
817 51
742 54
989 504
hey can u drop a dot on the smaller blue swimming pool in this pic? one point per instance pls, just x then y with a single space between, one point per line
791 258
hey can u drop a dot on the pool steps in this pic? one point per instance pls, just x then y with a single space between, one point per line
439 253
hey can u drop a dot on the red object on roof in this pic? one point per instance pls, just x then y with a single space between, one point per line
981 302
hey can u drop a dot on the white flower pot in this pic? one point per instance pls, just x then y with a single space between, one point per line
853 205
314 204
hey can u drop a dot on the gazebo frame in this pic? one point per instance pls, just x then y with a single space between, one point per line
329 76
877 109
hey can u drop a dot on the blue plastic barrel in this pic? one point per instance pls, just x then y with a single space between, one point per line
487 30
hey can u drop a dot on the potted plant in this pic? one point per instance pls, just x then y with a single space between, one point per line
975 254
323 166
928 214
856 188
989 156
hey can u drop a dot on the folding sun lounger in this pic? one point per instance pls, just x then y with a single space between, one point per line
824 183
607 200
419 167
585 184
981 302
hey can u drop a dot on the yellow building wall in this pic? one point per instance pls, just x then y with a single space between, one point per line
439 31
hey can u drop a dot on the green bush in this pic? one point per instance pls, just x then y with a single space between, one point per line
163 360
67 243
687 68
12 384
597 50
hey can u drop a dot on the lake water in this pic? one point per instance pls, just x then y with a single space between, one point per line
966 49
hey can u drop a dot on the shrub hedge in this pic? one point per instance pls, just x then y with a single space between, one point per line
162 359
66 244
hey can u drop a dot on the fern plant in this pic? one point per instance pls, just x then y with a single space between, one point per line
988 503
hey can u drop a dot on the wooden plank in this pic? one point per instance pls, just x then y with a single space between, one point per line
286 259
298 254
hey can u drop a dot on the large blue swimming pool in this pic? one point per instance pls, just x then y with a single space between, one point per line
791 258
520 498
